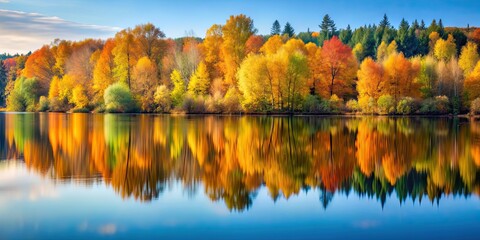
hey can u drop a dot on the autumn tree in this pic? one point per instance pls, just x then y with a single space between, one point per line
179 88
381 51
472 83
81 63
123 56
148 42
449 79
296 80
445 49
144 81
433 38
338 67
371 80
62 50
236 32
199 81
253 44
79 97
427 76
253 82
103 71
272 45
314 65
212 51
468 58
358 51
400 74
187 57
475 36
39 65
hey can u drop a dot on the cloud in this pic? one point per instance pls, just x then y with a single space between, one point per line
22 32
4 1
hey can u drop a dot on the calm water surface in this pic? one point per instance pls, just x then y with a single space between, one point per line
146 176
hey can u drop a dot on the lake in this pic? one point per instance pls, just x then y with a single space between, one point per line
154 176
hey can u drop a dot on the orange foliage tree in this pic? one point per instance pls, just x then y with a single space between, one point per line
338 67
39 65
236 32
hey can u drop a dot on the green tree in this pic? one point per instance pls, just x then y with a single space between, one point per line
405 39
288 30
118 98
345 35
24 95
327 27
276 28
297 73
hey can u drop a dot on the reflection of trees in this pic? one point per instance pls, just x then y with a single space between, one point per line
232 157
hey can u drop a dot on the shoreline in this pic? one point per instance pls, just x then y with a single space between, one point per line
346 115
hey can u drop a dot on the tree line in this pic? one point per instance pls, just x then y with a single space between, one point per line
372 69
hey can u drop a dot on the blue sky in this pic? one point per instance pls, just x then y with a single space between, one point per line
20 30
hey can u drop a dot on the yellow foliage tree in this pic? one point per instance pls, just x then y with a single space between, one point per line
472 83
314 59
445 49
468 58
381 51
199 81
253 82
79 97
272 45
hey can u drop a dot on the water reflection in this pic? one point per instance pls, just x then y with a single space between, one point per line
233 157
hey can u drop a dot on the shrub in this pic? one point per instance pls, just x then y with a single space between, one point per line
437 105
475 106
336 104
118 98
231 101
406 106
162 99
352 105
313 104
43 104
442 104
16 102
24 95
386 104
193 105
367 105
79 97
57 105
214 104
